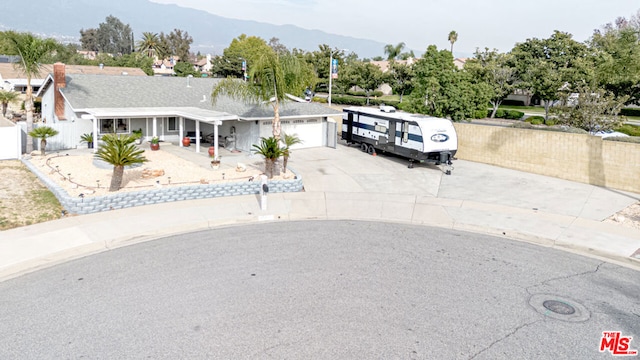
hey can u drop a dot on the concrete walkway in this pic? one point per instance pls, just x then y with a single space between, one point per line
345 183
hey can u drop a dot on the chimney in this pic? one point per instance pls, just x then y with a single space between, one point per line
59 82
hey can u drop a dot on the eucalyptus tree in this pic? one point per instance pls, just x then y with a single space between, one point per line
400 78
496 70
31 50
271 76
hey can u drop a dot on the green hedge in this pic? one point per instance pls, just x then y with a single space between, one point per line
629 129
362 93
630 112
481 114
506 114
535 120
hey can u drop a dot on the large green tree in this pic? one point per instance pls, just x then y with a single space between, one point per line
616 51
549 66
272 76
441 90
400 78
32 50
243 48
494 69
180 44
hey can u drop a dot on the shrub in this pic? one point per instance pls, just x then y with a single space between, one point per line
499 114
630 112
513 114
535 120
481 114
629 129
551 121
320 99
348 100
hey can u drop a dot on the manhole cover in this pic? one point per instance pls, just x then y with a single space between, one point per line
559 308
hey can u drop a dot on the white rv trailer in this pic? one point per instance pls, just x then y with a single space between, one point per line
414 136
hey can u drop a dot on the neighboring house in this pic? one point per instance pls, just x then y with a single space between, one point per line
203 65
12 78
165 67
384 65
88 54
168 107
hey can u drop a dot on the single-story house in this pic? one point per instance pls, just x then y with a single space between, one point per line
169 108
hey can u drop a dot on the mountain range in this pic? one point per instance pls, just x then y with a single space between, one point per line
63 20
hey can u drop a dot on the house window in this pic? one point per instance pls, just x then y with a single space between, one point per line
111 126
172 124
312 121
298 121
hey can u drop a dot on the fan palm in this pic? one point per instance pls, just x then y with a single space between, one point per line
149 44
289 141
272 77
271 150
43 133
393 51
32 51
453 37
119 151
7 97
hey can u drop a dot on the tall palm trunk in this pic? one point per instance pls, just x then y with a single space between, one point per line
116 179
28 106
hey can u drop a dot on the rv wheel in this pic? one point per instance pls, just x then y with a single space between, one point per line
371 150
363 147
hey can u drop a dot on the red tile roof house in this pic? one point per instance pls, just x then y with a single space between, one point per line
169 108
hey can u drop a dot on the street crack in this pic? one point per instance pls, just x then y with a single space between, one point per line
504 338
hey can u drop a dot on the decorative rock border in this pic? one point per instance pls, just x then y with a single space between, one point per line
128 199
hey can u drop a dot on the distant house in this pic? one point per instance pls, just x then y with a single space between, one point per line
203 65
164 67
459 62
169 108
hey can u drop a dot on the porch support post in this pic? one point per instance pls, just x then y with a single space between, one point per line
95 135
155 126
181 130
215 137
197 136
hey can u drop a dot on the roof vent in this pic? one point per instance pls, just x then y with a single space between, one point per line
125 73
387 109
101 66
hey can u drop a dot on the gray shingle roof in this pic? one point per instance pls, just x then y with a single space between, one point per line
105 91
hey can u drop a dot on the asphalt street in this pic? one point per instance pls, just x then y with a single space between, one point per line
320 290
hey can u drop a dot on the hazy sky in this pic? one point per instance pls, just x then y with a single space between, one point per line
419 23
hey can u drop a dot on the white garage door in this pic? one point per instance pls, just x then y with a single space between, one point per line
310 131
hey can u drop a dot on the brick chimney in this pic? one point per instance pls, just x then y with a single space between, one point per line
59 82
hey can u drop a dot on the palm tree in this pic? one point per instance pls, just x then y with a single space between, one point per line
7 97
32 51
453 37
272 77
42 133
149 44
119 151
393 51
289 141
270 149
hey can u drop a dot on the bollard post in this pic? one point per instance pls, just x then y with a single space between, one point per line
264 189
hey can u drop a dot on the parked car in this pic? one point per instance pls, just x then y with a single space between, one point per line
609 133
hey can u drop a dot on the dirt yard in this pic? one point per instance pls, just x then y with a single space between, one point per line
24 200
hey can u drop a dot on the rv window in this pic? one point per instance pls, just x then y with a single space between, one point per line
381 128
